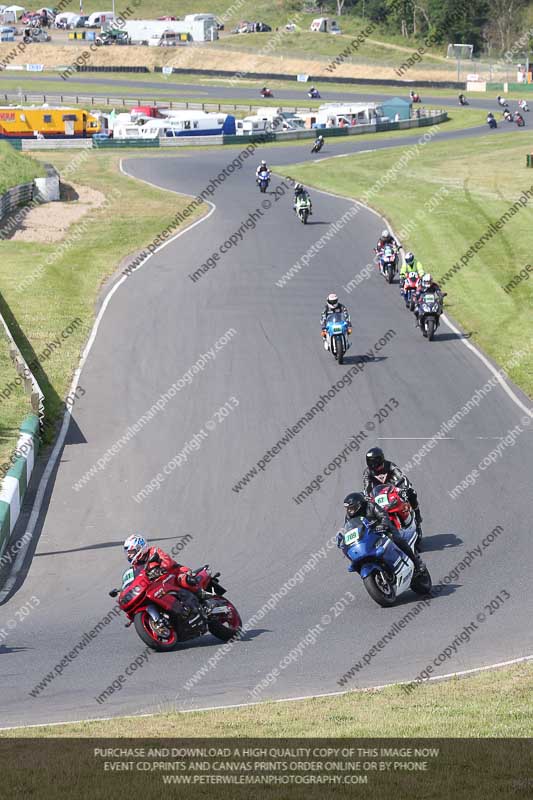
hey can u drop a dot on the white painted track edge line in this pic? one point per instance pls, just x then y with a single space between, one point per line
449 675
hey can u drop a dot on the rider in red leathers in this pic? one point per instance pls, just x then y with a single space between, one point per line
139 553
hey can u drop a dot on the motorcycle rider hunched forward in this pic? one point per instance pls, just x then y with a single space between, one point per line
357 505
380 471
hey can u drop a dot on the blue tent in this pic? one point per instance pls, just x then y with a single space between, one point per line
397 106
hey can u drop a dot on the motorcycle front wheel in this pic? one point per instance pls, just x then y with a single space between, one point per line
430 327
380 589
148 633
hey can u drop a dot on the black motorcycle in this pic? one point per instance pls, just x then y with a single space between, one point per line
429 311
463 101
492 122
318 145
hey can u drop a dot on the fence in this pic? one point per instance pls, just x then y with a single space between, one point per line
15 197
129 102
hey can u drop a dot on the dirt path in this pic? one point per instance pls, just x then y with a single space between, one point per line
50 222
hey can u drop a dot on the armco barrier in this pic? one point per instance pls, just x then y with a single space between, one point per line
17 478
15 197
88 68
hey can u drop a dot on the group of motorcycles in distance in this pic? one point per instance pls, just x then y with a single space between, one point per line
313 93
508 116
426 305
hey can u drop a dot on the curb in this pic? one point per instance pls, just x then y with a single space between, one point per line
15 482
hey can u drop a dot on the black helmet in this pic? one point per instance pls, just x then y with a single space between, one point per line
375 458
353 504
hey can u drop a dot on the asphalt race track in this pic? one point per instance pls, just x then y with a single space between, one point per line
155 329
299 96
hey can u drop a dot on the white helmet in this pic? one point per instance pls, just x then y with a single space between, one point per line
409 258
263 163
385 234
427 280
332 300
133 547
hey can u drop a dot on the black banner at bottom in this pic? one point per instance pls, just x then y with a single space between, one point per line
270 768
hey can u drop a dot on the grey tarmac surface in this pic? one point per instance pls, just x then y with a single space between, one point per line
156 327
298 96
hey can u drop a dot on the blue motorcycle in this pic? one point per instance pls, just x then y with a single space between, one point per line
386 571
263 180
336 336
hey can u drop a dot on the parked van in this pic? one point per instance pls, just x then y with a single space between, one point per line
168 39
97 19
66 19
324 25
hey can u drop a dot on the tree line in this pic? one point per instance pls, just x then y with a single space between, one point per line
492 26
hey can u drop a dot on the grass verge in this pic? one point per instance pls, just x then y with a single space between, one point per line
16 168
14 407
62 279
487 704
440 202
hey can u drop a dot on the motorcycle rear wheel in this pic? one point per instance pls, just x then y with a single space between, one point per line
231 628
149 636
376 586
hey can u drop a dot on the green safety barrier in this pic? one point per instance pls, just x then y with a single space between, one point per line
19 471
111 143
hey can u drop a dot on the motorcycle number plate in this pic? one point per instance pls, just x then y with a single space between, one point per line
337 329
429 298
351 537
382 500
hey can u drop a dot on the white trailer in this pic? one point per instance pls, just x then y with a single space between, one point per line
142 30
99 18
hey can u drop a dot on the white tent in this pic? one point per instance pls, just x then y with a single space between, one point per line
16 9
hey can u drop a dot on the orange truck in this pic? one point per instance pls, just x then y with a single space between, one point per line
46 121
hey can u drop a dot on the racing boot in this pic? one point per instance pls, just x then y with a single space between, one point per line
418 521
419 565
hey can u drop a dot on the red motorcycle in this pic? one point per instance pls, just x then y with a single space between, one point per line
266 92
165 614
408 290
392 500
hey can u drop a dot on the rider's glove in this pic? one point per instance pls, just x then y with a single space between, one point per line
191 580
340 539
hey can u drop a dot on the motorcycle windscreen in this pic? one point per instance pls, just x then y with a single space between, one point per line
359 540
129 576
335 323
